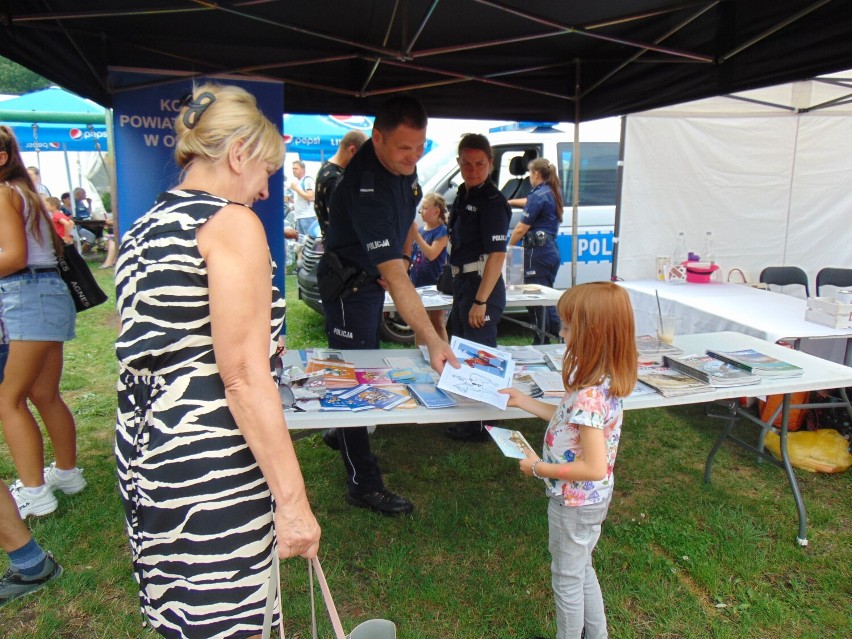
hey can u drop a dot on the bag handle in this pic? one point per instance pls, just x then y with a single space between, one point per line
738 271
315 567
273 593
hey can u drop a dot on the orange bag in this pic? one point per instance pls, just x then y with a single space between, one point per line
797 415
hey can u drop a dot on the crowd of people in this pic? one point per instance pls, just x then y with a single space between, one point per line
207 471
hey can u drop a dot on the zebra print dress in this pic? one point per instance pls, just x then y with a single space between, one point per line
197 509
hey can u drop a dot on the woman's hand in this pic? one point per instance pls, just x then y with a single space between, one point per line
526 464
297 530
476 316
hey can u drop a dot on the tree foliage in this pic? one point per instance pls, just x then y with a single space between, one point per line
18 80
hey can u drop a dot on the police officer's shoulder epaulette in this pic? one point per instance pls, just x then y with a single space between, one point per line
367 187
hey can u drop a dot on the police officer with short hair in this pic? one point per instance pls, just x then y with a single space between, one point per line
479 225
371 229
538 229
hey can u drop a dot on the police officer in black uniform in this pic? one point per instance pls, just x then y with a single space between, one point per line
371 224
479 224
538 229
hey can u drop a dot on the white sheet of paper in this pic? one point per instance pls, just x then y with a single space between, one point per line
484 371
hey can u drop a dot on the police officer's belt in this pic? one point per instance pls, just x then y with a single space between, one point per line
538 238
471 267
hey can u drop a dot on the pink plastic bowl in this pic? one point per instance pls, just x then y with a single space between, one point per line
699 275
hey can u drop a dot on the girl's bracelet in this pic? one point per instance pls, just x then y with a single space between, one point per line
535 474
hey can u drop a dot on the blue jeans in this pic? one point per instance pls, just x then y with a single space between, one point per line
4 354
37 307
574 532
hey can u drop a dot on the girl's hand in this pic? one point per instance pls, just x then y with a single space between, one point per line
516 396
526 464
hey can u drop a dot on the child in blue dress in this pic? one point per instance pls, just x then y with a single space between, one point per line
580 445
429 251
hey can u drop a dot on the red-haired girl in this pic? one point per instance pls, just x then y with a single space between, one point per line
580 445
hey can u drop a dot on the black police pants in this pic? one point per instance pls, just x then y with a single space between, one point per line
540 266
354 324
464 292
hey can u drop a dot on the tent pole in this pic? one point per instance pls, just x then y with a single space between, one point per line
616 228
575 165
35 142
68 171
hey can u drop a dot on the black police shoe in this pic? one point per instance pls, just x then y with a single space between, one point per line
382 501
330 438
468 432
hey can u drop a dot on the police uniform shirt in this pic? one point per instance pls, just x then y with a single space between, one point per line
540 210
480 223
371 212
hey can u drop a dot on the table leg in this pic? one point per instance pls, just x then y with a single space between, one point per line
802 540
730 421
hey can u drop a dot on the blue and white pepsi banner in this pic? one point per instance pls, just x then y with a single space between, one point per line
60 137
317 137
143 125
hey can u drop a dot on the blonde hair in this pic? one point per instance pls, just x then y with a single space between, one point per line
602 337
231 116
15 173
439 202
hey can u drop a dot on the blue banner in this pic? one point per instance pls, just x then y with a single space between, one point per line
143 124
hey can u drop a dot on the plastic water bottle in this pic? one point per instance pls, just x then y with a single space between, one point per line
709 254
679 254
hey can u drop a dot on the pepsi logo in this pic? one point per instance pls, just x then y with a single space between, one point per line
76 134
54 145
287 138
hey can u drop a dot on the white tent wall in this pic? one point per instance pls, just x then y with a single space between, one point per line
86 170
773 186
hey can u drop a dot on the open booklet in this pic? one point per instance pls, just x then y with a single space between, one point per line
484 371
511 442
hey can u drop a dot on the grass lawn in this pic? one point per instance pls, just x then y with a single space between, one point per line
677 559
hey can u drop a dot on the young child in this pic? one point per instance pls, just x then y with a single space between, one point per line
580 444
63 223
429 252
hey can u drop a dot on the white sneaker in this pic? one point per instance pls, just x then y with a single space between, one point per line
33 502
68 481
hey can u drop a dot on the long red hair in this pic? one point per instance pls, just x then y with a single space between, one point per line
602 337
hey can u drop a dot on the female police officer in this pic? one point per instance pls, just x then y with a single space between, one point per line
479 224
538 228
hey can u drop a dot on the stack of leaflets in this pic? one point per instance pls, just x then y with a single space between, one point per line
431 396
374 397
642 389
483 373
523 381
711 370
650 349
671 383
511 442
373 376
550 383
334 401
554 358
758 363
525 354
337 374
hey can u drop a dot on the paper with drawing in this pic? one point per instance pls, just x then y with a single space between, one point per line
484 371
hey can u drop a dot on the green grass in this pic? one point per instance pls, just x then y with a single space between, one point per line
677 559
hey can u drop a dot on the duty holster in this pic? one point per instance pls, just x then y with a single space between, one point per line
341 281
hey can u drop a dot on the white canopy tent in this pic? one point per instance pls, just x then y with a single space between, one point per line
769 172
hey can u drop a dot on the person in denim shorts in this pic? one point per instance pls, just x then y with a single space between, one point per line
39 317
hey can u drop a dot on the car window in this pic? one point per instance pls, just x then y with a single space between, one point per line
598 172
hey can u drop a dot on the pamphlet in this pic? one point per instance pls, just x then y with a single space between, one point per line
511 442
337 374
550 382
711 370
756 362
431 396
671 383
374 396
483 372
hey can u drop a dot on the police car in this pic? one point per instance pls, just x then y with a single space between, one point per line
514 147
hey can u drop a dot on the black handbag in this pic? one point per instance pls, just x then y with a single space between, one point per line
79 279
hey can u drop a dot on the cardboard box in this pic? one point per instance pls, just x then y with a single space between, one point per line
829 312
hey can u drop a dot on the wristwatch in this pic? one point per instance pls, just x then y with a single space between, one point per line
477 302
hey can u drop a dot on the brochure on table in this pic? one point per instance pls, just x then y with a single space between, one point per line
484 371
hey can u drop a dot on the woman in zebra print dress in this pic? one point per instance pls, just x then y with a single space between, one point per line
202 447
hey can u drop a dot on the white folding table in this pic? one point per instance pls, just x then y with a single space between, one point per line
818 374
